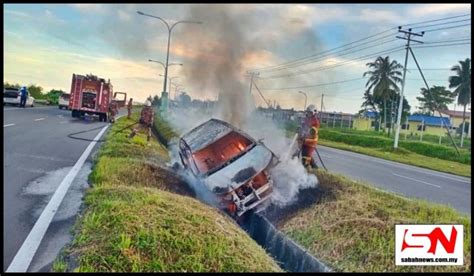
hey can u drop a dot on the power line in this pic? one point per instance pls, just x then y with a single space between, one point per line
411 24
389 51
312 85
315 58
435 46
345 45
445 28
444 23
303 58
320 58
443 41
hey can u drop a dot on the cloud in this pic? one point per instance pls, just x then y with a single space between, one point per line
88 7
437 9
373 15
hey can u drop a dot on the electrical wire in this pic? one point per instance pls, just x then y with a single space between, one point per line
436 46
436 20
389 51
445 28
313 59
302 58
330 55
285 64
444 23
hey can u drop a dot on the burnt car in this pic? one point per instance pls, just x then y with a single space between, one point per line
230 163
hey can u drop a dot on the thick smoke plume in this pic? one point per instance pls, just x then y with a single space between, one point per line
219 47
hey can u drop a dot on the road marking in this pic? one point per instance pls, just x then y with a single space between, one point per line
8 125
399 165
40 119
28 249
63 122
416 180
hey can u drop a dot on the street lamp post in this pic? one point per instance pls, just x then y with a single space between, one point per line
165 94
305 97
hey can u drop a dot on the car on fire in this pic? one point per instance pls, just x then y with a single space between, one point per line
230 163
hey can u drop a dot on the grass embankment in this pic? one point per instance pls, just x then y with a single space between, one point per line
140 218
421 154
352 227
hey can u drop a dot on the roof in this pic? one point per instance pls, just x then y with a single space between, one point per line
370 114
430 120
454 113
206 133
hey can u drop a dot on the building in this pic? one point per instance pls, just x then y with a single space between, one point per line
431 125
455 117
366 121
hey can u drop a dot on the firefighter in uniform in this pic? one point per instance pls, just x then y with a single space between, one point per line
129 108
113 110
309 137
146 121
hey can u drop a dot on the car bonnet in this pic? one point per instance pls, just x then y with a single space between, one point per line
241 170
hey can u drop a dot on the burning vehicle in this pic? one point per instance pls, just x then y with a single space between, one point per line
230 163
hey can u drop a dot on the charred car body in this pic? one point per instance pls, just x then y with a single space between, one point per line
230 164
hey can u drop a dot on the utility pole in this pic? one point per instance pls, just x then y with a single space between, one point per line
252 75
400 106
406 127
440 132
422 127
322 98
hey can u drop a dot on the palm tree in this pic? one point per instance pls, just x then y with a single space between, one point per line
383 80
462 84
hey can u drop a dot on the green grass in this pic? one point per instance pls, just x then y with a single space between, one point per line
140 218
352 227
406 157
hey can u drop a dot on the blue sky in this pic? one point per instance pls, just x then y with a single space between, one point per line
45 44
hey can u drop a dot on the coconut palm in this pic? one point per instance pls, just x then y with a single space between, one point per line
462 84
384 77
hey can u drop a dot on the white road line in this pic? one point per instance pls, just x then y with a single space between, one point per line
399 165
417 180
40 119
8 125
27 251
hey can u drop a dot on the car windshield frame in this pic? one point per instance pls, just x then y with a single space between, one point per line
252 144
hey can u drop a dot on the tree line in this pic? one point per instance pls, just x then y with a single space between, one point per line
382 92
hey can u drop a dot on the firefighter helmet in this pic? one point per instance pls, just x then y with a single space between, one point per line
147 103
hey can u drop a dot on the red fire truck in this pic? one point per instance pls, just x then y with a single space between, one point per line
92 95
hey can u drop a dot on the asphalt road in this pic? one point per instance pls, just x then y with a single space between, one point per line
37 155
409 181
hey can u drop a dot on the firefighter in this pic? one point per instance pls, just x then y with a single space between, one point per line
309 137
113 110
129 108
309 146
146 121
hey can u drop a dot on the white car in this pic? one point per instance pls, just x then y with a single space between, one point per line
13 96
64 101
229 163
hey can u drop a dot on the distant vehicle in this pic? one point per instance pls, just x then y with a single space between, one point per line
92 95
13 96
64 101
230 164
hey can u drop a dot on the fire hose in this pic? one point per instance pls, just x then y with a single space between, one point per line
100 140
